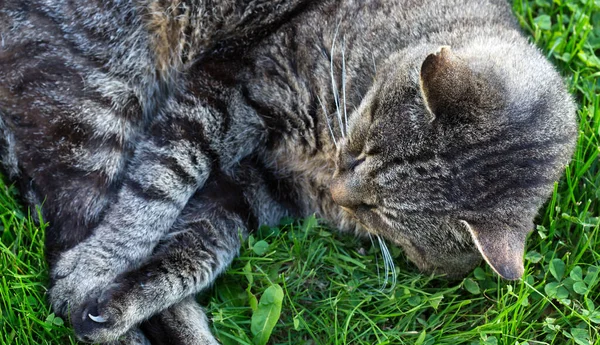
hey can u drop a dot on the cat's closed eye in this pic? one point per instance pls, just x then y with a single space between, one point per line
447 138
355 163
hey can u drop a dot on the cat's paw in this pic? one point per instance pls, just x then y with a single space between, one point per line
76 278
123 305
104 318
182 323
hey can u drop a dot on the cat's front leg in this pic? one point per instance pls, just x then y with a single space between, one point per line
134 336
184 323
162 178
200 246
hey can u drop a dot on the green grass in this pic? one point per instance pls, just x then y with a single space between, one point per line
332 291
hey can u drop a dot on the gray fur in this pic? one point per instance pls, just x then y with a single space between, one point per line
158 132
8 153
182 323
134 336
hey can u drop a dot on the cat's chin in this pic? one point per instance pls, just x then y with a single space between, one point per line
456 274
448 266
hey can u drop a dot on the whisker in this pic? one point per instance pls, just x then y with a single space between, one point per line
385 264
328 122
376 258
344 83
390 267
393 269
336 95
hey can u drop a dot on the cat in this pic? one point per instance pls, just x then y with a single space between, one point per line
153 134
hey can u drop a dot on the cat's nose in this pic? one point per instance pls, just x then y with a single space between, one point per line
343 194
338 191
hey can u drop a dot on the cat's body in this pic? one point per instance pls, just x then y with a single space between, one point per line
155 133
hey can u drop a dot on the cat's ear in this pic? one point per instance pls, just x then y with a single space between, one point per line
451 89
501 246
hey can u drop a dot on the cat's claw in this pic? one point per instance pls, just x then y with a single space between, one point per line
98 318
101 319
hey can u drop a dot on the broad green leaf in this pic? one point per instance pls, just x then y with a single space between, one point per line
479 274
533 256
589 304
580 336
267 314
58 321
435 301
50 318
491 340
248 273
576 274
589 59
568 283
421 338
591 276
562 293
414 301
542 232
472 286
297 322
551 289
580 288
595 317
260 247
557 268
252 301
543 22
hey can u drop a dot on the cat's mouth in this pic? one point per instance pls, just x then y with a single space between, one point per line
347 209
358 214
347 198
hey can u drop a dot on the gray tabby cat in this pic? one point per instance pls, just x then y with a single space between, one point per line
155 132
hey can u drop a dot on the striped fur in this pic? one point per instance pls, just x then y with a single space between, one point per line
156 132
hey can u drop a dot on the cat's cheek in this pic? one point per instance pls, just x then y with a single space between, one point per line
415 255
440 261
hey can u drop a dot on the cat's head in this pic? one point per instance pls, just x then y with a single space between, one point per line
452 152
